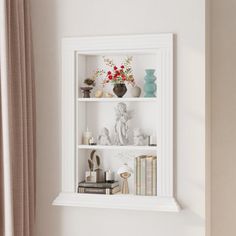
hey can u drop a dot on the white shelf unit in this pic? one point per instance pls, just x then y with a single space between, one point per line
79 57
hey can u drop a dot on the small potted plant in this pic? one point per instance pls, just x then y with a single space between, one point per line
119 76
90 83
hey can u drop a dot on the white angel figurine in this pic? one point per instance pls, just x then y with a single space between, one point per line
139 137
104 137
121 126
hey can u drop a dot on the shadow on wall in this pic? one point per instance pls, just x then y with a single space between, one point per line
46 53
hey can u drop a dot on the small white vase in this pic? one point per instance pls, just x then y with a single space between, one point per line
136 91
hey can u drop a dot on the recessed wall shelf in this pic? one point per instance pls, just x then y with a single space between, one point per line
82 55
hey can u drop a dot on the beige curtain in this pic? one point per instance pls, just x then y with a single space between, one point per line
17 120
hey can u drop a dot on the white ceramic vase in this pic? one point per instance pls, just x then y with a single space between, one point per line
136 91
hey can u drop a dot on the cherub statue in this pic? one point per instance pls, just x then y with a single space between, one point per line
139 137
121 127
104 137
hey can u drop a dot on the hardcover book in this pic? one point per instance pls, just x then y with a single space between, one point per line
154 166
137 173
145 175
107 191
149 176
99 185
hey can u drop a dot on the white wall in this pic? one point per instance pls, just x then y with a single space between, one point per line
53 20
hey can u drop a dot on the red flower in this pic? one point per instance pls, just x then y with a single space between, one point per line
109 72
122 67
115 68
110 77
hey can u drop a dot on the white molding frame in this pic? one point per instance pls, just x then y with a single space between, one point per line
71 47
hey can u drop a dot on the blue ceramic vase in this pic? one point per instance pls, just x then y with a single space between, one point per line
150 85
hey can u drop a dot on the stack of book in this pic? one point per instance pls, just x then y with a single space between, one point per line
146 175
99 188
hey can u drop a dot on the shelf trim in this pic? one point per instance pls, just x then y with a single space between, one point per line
118 201
113 147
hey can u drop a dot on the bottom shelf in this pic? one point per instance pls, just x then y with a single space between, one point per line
118 201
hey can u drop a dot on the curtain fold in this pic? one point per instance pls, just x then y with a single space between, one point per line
17 117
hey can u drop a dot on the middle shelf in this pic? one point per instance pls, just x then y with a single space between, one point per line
113 147
125 99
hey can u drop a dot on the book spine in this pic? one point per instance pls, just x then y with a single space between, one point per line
149 176
98 185
93 190
137 175
154 166
143 177
115 190
107 191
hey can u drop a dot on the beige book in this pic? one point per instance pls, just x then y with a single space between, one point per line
143 176
149 176
138 174
154 176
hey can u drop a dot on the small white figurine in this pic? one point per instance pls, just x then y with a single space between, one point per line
139 137
121 126
104 137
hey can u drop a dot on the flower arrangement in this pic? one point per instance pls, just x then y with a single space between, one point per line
116 75
121 74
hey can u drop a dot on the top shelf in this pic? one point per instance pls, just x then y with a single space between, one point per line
139 99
